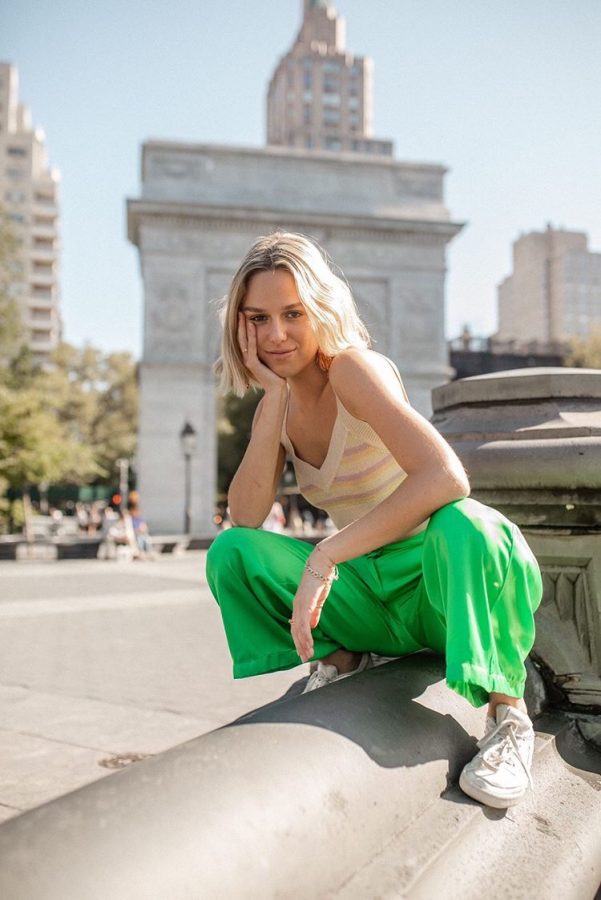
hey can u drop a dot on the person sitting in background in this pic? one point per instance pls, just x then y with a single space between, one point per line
140 530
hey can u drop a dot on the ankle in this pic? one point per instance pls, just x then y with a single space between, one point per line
495 699
344 660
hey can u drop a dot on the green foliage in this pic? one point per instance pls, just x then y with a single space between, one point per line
96 399
233 434
69 422
586 354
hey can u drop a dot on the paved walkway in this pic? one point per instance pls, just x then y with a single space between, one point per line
101 661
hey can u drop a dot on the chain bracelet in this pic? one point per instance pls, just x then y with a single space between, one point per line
327 579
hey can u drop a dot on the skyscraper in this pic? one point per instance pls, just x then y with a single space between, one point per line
554 291
320 95
29 194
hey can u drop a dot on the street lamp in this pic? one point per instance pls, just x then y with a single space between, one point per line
123 466
187 438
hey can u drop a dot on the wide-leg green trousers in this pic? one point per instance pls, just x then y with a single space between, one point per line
467 586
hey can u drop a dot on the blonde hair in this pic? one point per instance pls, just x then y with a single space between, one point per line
326 297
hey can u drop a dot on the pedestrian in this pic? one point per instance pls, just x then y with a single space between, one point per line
276 520
140 529
415 563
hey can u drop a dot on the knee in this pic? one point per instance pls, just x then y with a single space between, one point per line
231 544
463 522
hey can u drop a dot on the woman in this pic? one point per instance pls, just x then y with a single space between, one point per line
415 562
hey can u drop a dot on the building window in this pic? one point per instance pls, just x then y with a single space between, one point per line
331 67
15 196
308 96
17 217
307 115
353 102
43 243
309 142
333 144
15 174
43 268
330 100
307 73
16 151
331 116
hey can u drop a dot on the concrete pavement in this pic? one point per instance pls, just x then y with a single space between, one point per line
103 663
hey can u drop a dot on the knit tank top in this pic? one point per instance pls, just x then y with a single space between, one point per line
358 473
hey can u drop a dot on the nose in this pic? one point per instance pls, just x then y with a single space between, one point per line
277 330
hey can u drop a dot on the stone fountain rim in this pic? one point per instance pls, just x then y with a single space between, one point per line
531 384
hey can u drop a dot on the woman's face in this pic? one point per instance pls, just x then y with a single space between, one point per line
286 342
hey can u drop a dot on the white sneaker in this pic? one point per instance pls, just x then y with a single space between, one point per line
499 775
326 674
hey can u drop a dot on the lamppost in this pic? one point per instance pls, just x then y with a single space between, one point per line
187 438
123 466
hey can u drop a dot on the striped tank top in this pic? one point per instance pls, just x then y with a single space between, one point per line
358 473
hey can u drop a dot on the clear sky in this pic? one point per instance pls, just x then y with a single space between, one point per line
506 94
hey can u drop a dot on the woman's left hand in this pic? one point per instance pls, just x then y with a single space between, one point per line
310 597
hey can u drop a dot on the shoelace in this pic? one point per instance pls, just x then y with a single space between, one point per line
319 679
493 752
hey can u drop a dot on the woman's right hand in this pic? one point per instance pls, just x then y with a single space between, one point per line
247 339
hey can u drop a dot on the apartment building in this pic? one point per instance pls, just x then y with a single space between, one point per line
554 291
29 196
320 96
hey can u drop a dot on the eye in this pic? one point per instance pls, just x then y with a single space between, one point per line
258 317
293 314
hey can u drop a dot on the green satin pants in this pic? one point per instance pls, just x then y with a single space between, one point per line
466 587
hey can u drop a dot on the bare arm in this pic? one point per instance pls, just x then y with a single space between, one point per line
254 485
367 387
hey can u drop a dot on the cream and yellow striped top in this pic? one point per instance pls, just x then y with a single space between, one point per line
358 473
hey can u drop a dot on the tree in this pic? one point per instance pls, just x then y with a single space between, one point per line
586 354
34 447
96 399
69 422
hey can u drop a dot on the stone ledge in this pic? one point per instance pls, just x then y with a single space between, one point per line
298 799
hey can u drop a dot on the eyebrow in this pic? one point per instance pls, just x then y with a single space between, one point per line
258 309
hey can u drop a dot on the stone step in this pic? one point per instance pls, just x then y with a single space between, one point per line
347 789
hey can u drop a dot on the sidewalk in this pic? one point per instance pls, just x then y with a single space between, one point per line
102 662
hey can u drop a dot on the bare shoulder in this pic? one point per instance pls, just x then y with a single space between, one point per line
358 377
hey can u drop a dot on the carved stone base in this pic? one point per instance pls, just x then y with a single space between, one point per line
568 623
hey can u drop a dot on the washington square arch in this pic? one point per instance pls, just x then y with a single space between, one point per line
384 222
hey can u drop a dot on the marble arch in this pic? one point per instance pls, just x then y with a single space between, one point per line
385 224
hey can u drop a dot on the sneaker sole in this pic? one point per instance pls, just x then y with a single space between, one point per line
489 799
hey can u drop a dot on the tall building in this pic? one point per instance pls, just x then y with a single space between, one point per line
554 291
320 96
29 195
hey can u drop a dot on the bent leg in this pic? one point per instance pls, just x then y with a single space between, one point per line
254 576
481 588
